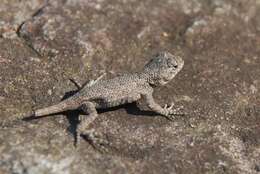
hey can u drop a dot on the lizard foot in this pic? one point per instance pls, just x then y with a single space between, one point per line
96 140
171 112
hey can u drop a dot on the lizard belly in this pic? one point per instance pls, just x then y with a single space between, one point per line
112 102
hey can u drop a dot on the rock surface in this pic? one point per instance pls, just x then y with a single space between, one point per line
45 43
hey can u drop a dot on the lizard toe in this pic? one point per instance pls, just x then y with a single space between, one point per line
96 140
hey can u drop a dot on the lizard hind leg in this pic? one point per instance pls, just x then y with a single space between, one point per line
85 121
78 85
90 134
87 83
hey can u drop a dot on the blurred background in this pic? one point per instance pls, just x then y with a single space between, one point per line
45 43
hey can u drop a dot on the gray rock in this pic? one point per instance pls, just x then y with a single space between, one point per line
43 44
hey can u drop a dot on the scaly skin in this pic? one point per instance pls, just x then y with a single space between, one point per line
127 88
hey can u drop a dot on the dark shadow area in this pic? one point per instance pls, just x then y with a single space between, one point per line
133 109
73 115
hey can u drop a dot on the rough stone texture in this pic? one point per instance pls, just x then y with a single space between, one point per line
44 43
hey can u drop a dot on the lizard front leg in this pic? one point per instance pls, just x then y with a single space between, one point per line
168 112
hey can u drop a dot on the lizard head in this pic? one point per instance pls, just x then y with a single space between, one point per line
162 68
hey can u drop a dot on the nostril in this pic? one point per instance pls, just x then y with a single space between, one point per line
175 66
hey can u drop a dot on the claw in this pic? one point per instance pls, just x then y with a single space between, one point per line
177 112
170 117
171 106
168 107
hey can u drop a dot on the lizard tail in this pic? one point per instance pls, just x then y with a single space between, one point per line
60 107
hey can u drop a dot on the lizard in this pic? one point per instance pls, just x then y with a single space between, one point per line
126 88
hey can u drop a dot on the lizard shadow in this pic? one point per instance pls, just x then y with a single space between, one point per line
134 110
73 115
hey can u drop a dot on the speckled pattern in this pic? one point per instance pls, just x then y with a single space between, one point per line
44 43
120 90
124 89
